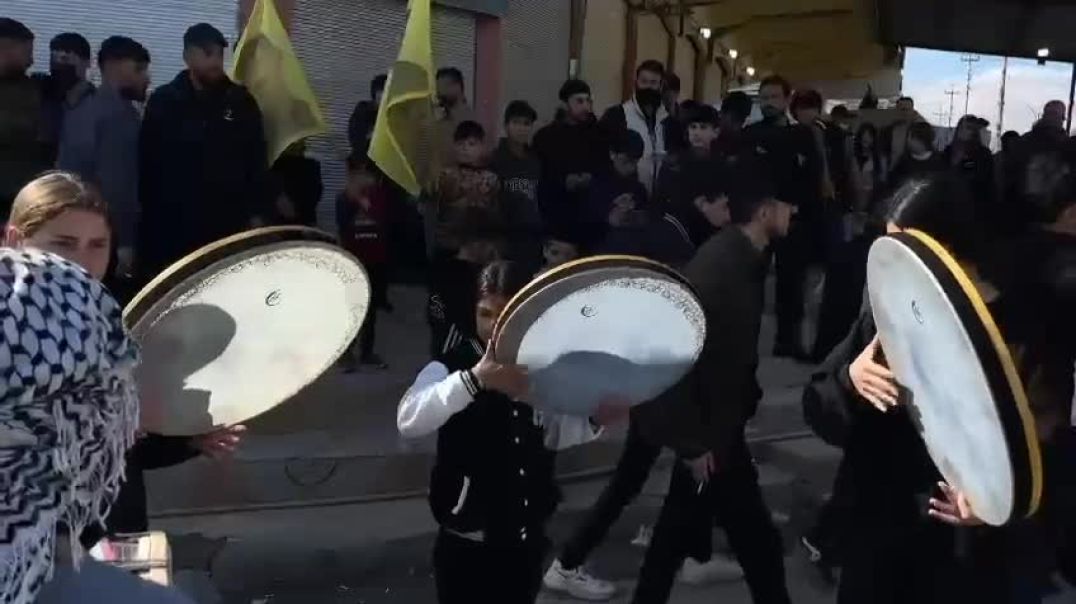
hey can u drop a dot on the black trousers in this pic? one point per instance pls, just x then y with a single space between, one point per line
470 572
794 256
378 274
632 470
842 298
733 498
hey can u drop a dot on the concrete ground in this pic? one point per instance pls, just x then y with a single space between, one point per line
325 503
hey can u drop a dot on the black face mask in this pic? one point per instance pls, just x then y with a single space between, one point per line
648 97
64 77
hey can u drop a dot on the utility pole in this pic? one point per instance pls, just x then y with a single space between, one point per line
940 115
971 60
951 93
1001 100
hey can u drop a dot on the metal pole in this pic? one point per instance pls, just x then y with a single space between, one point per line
971 60
1001 99
1072 97
951 94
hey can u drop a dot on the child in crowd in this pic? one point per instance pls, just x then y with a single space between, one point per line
450 306
492 488
517 167
618 192
361 216
695 170
562 245
469 185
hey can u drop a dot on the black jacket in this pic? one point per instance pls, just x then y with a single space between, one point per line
493 473
451 303
791 152
564 149
128 513
708 409
203 172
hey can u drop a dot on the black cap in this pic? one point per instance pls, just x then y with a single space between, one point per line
204 35
573 87
11 29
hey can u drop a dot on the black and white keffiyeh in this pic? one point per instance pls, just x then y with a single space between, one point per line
68 412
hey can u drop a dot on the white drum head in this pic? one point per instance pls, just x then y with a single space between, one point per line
242 325
937 341
606 327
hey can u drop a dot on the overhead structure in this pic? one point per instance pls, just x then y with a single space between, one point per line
1034 29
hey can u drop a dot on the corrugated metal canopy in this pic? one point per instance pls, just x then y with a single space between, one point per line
1016 28
801 39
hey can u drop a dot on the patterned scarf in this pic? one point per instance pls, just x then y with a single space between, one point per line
68 412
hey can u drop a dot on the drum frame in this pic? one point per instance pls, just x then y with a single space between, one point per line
1010 398
203 257
575 266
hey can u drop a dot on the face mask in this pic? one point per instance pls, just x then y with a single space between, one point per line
64 76
648 97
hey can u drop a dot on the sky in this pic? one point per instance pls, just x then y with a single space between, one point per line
928 74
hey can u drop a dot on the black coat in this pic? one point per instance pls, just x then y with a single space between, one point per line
564 149
203 172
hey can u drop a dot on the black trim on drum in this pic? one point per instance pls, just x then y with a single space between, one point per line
1005 402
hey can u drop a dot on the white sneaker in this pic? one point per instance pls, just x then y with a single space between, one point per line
577 583
718 570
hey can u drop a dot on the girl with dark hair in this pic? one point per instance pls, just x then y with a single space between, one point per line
892 526
492 488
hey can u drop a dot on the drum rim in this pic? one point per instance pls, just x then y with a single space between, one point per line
1000 370
188 265
582 264
523 303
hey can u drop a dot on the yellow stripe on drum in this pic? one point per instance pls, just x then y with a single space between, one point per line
1007 363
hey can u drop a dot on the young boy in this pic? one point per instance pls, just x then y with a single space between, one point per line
450 306
562 245
361 212
517 167
469 185
618 191
492 488
695 171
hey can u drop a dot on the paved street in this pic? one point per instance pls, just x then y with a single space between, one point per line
325 503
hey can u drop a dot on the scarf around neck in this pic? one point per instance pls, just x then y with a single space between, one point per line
68 412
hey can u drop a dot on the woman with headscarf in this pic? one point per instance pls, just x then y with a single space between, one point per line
68 414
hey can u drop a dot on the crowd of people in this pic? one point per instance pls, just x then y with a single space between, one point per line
684 183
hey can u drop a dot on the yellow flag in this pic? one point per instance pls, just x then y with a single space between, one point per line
266 64
406 109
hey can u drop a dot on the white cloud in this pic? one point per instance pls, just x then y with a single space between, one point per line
1029 88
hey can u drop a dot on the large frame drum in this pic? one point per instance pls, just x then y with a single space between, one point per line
963 389
618 327
242 325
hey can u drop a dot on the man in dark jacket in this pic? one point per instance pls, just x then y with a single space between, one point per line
203 156
704 416
645 114
791 152
360 127
65 87
572 151
22 150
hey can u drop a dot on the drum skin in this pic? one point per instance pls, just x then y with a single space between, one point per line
604 328
960 380
242 325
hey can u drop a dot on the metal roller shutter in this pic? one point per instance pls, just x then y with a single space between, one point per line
536 39
343 44
158 24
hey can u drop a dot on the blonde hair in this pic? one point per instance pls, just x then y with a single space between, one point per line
50 195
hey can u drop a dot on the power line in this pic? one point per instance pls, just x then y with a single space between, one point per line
951 93
971 60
